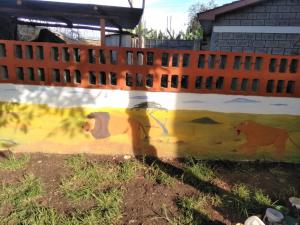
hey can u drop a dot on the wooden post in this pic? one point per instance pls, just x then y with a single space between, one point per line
102 27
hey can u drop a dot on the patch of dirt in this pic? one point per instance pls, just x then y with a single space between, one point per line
144 199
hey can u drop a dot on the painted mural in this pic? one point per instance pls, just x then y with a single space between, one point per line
154 128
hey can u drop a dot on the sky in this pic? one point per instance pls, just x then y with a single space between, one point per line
157 11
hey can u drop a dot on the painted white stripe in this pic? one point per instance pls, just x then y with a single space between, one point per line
257 29
66 97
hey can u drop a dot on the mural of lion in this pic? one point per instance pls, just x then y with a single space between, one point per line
259 135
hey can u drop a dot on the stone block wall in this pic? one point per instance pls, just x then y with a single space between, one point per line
268 13
281 44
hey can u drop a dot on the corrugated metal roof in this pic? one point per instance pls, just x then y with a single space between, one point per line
70 14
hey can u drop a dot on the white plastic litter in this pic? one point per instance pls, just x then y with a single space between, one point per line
273 216
254 220
295 202
127 157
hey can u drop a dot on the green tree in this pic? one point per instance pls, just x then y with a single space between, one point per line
194 30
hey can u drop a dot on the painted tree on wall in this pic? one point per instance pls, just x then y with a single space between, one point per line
151 108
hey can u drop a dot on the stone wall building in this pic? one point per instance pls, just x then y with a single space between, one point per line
261 26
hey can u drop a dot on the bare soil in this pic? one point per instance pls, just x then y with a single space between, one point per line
144 199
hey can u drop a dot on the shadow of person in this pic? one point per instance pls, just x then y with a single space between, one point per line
231 203
139 121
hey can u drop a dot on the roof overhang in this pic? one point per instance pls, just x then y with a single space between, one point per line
70 15
211 14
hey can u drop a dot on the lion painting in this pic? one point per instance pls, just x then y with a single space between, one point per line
259 135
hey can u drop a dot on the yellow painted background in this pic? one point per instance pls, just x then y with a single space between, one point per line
40 128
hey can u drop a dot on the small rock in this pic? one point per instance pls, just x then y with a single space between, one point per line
40 161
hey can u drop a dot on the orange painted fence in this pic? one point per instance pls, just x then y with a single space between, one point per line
182 71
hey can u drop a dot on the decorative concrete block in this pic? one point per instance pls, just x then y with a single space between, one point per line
267 36
274 15
259 43
258 36
239 36
284 44
243 43
246 22
250 36
227 36
288 15
293 37
251 16
234 22
271 44
258 22
280 37
271 23
263 16
272 8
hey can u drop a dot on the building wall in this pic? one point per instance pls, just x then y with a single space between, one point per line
280 20
173 44
8 28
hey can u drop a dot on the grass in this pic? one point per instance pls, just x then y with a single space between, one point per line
100 183
76 162
247 200
89 178
242 191
201 171
34 215
22 192
261 198
86 181
128 170
13 163
19 196
155 174
193 209
106 212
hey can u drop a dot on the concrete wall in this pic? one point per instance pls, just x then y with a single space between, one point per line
68 120
281 16
175 103
173 44
114 40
